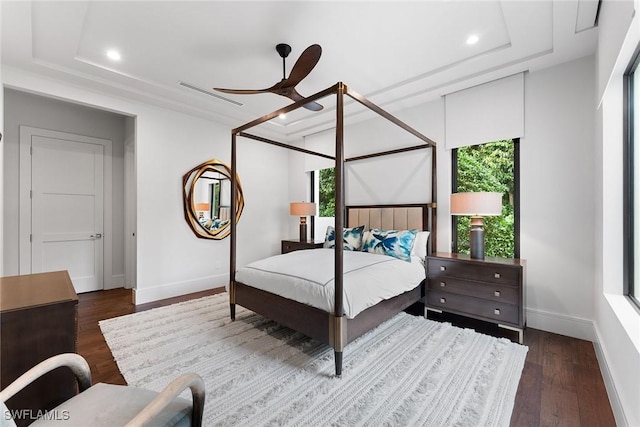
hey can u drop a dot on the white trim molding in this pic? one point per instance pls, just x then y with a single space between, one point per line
170 290
562 324
609 383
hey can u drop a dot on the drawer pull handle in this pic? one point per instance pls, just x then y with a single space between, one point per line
443 284
496 275
443 300
496 293
496 311
443 268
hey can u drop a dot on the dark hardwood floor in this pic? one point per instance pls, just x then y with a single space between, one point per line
561 383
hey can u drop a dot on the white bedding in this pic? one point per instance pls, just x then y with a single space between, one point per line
306 276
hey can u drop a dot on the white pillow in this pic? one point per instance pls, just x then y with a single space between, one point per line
419 248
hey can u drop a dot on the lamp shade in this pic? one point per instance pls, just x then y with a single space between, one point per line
476 204
302 208
204 207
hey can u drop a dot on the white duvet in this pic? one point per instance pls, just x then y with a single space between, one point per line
306 276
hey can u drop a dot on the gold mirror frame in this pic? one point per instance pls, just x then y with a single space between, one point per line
188 185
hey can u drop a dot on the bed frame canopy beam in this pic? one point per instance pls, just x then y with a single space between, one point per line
373 107
327 156
283 145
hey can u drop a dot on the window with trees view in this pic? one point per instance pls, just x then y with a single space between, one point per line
631 203
489 167
327 190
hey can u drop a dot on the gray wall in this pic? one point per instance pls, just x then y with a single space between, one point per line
25 109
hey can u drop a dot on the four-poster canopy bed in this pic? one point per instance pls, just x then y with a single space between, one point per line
332 326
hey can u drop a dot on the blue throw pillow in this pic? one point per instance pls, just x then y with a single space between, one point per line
352 238
395 243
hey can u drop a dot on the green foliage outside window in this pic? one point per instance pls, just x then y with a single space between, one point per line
489 167
327 189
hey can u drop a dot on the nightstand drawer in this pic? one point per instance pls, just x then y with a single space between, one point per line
483 272
294 245
488 291
470 306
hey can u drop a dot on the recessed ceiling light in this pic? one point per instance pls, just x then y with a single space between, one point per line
283 116
473 39
113 55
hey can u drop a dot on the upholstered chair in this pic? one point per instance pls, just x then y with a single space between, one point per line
113 405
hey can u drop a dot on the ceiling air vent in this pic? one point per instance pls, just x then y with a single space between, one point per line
208 92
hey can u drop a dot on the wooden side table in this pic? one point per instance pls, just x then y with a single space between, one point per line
296 245
490 289
38 319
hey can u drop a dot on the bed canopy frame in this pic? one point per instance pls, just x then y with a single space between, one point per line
330 328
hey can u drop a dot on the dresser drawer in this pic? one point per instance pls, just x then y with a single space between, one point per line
470 306
488 291
483 272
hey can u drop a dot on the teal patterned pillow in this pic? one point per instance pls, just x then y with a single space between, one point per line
396 243
352 238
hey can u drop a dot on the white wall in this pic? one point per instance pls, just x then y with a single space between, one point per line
32 110
171 260
557 197
617 322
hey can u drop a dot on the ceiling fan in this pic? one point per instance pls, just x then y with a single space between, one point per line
286 87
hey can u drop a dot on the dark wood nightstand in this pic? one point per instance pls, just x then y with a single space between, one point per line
490 289
296 245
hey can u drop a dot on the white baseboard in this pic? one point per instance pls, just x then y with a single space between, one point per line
562 324
169 290
612 392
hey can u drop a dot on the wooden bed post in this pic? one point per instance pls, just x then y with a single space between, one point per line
339 324
232 257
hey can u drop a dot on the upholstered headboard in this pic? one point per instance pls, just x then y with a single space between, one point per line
394 217
389 217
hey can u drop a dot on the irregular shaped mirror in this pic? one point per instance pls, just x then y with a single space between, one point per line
207 199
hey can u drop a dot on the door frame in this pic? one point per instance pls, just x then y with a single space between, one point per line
24 243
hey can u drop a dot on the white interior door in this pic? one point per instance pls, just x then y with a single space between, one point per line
67 210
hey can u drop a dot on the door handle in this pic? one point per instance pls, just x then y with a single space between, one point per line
96 236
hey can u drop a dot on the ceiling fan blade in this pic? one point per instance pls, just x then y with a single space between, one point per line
242 91
303 66
273 89
295 96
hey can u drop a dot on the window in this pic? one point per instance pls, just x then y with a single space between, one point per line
327 192
631 203
323 192
489 167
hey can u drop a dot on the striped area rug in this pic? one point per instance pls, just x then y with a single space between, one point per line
407 371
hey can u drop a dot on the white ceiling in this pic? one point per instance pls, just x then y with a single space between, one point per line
398 54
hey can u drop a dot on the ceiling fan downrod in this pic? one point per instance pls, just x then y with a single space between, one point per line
283 50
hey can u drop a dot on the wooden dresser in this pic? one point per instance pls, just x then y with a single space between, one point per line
490 289
38 319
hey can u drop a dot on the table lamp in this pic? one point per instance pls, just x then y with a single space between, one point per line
302 209
477 205
201 208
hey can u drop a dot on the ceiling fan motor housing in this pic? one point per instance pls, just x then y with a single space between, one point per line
283 50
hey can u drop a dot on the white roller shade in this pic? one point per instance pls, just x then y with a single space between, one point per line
485 113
